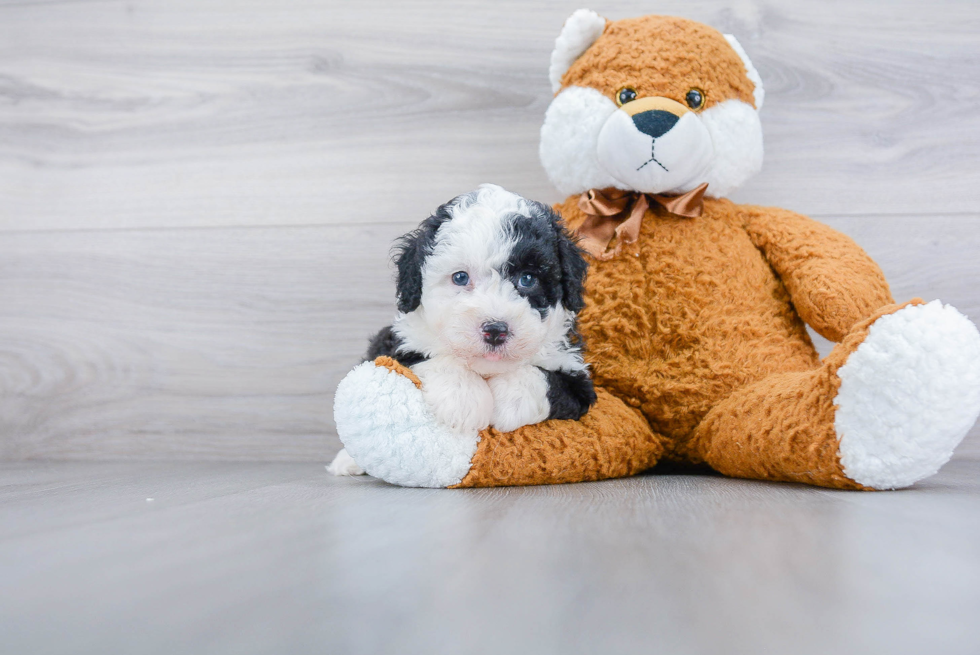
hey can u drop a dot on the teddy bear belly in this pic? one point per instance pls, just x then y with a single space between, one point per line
692 314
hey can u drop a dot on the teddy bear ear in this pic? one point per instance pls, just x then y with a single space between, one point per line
579 32
759 95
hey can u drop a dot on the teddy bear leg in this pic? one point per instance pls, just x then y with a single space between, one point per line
611 441
389 431
885 409
781 428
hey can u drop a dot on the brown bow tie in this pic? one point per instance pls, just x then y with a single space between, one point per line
617 213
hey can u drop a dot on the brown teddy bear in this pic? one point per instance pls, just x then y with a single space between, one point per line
695 307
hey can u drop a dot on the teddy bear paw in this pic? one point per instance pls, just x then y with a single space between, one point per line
389 430
908 395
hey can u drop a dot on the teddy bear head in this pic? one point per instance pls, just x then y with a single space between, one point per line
654 104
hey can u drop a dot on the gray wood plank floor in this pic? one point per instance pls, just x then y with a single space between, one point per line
196 201
282 558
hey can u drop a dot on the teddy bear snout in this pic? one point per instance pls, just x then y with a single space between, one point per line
654 123
654 115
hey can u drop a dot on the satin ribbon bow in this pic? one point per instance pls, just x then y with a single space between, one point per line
617 213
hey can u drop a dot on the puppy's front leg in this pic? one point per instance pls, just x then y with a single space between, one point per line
520 397
457 396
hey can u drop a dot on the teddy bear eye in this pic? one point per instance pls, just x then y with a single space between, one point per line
695 99
626 94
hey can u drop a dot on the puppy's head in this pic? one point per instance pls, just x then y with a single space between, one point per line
654 104
491 278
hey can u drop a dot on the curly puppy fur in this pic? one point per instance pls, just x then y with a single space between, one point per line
488 291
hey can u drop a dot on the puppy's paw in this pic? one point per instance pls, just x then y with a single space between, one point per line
344 464
520 397
570 394
459 398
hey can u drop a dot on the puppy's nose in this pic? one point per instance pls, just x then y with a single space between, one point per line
655 122
495 333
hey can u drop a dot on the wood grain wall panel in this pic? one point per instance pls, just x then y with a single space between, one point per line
228 343
176 114
188 343
196 199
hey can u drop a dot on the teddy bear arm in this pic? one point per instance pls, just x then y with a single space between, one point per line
832 282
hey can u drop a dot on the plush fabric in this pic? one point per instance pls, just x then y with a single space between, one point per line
695 332
907 395
656 56
611 441
685 54
391 433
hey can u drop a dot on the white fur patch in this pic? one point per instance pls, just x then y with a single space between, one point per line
520 397
759 93
344 464
579 32
387 428
908 395
736 134
556 353
569 140
459 398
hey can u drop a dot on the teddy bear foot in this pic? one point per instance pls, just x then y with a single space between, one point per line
390 432
908 395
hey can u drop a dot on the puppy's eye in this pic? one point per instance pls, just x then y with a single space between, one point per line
461 278
626 94
695 99
526 281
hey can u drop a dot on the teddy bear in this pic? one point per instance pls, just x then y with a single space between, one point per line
696 307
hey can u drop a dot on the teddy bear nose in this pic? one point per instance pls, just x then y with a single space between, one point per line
655 122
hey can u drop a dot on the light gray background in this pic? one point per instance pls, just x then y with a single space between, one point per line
197 198
196 205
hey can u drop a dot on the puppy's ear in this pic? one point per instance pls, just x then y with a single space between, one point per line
570 260
573 269
409 254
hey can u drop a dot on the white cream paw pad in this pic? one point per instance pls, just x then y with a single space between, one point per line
908 395
387 428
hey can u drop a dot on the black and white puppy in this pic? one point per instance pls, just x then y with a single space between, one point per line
488 291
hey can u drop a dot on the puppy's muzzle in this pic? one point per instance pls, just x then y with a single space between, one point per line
496 333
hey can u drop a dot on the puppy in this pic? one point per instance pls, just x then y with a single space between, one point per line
488 291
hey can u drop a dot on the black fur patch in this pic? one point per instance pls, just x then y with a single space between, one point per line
546 250
386 343
573 266
410 252
570 395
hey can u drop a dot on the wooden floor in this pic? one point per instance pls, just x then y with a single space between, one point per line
282 558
